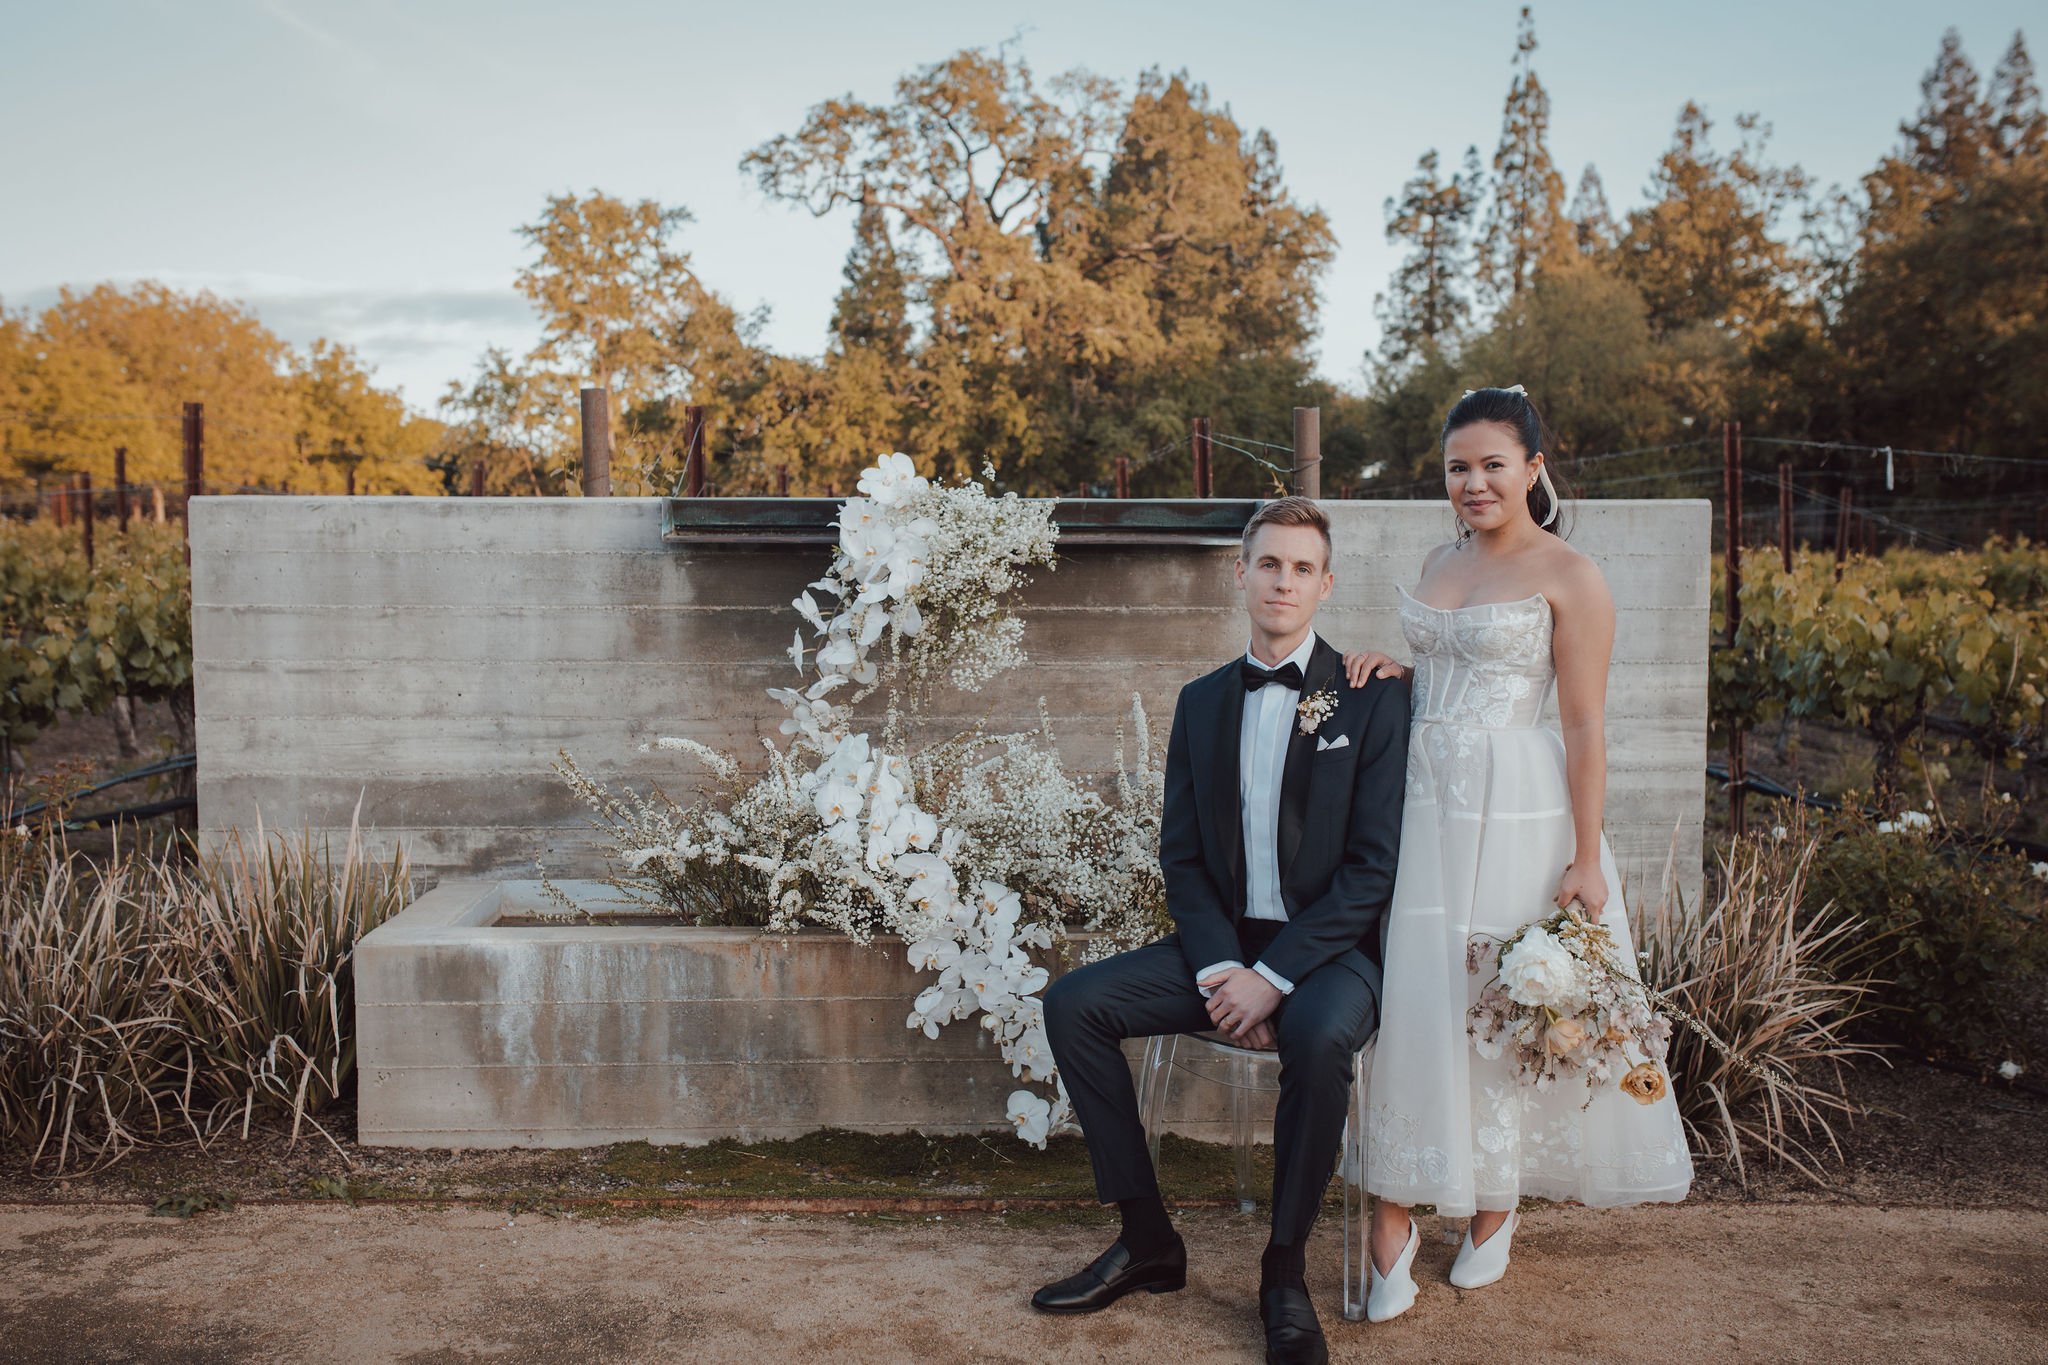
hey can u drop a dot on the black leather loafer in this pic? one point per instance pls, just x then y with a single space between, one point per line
1293 1336
1114 1274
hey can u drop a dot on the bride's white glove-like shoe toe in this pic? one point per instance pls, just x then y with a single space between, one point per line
1479 1266
1392 1294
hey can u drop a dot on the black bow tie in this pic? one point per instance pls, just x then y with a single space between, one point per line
1287 675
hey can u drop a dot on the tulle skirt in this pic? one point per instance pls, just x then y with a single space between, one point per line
1486 835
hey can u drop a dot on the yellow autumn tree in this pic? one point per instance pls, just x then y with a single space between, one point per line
111 367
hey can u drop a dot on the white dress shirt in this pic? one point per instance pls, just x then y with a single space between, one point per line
1261 761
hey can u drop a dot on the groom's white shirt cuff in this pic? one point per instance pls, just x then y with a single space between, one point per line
1280 983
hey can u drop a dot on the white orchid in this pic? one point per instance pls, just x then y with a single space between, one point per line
807 607
913 829
858 516
933 955
1031 1114
839 654
1031 1056
906 565
838 800
892 480
927 875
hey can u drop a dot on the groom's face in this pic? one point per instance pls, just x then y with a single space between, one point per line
1285 573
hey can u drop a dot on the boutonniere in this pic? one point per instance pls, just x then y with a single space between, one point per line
1314 709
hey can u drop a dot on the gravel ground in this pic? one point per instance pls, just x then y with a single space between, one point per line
1733 1282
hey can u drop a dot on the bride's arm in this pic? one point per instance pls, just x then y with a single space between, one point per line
1582 642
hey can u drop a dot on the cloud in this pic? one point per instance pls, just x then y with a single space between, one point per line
416 340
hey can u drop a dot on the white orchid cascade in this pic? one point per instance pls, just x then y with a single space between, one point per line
978 850
976 943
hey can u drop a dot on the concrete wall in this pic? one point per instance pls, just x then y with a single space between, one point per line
431 655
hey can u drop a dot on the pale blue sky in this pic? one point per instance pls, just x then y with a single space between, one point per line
357 170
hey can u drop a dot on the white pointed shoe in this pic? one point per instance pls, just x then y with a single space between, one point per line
1389 1296
1479 1266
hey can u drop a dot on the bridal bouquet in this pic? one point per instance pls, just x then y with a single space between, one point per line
1564 1006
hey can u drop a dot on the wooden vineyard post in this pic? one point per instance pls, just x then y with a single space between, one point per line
121 488
1308 452
1785 514
1731 463
1843 526
195 465
693 451
597 443
85 515
1204 481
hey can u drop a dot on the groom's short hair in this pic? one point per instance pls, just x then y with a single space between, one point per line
1288 511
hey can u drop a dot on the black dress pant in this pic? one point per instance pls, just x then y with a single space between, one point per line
1151 990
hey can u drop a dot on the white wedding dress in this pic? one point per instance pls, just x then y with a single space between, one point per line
1486 835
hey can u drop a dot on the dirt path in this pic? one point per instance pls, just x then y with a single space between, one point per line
1731 1283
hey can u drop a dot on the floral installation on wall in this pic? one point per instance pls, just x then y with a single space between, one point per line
980 851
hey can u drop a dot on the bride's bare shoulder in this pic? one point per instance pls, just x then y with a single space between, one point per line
1429 561
1571 577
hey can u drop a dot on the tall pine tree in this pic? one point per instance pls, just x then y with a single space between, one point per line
2020 129
1525 223
1948 141
1427 299
873 308
1593 227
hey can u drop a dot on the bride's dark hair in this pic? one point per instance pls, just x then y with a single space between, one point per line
1513 410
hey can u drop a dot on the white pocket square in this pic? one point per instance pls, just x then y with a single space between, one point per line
1337 743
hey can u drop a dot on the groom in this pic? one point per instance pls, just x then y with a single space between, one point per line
1281 827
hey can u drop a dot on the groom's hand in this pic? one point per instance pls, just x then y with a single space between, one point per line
1240 1000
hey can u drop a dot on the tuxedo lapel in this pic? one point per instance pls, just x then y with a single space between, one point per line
1225 800
1301 752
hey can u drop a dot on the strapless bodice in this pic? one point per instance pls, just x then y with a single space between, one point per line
1487 664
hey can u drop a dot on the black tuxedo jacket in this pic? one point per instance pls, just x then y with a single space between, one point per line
1339 832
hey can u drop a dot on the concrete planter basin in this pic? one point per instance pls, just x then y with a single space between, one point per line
477 1033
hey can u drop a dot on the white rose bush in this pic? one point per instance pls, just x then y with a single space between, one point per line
980 851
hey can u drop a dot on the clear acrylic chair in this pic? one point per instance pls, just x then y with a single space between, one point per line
1248 1072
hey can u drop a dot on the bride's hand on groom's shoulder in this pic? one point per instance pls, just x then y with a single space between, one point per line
1361 664
1586 886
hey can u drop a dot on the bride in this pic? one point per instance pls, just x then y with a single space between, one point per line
1501 826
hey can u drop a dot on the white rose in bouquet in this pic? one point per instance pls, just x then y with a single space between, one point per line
1539 970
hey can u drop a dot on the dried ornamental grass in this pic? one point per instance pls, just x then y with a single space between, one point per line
143 999
265 989
1777 987
87 1047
